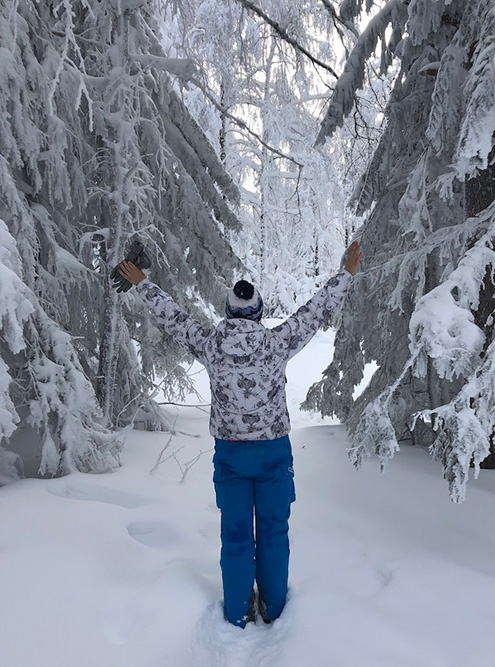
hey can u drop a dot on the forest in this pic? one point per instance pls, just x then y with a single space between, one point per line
246 139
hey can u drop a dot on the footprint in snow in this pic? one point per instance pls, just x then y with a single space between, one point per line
92 492
123 619
368 578
154 534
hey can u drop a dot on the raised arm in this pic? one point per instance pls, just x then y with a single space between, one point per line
185 329
298 329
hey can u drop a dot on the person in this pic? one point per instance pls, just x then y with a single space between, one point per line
253 464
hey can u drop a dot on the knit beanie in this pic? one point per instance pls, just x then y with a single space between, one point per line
244 301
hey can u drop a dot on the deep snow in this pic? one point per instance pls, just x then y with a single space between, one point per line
121 570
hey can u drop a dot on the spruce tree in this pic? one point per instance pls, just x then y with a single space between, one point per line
422 306
96 148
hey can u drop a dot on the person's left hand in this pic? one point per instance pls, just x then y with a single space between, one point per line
131 272
353 258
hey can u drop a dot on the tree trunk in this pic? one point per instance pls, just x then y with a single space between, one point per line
480 193
264 184
110 340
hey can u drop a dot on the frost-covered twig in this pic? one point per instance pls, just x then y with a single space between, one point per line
167 445
186 405
186 467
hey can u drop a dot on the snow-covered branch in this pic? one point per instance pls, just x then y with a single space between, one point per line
281 32
183 68
352 78
242 124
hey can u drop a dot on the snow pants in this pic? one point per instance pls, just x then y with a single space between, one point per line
254 485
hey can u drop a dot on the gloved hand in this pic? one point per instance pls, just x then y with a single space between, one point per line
137 255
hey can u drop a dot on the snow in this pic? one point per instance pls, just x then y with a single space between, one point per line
121 569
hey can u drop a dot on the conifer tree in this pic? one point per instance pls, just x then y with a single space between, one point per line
96 148
422 308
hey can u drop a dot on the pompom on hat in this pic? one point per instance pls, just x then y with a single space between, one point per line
244 301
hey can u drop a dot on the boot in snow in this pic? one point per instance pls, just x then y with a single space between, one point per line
251 612
262 609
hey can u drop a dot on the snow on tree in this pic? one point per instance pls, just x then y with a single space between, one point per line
423 306
96 147
266 99
42 382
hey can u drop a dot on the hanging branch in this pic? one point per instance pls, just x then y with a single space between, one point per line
336 20
281 32
352 78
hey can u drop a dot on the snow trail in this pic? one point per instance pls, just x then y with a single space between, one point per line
122 569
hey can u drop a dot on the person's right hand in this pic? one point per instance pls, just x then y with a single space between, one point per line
353 258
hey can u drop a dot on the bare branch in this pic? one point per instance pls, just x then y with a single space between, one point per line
187 466
185 405
167 445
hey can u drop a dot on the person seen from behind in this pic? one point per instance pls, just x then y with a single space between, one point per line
253 465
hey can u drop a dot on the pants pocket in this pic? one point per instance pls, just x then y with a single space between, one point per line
287 471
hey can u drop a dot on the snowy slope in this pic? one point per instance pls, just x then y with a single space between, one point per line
122 570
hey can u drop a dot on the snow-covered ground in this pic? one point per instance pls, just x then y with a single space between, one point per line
121 570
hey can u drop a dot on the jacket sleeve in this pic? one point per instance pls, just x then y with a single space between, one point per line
299 329
174 321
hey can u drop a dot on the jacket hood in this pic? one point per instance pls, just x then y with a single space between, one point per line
240 337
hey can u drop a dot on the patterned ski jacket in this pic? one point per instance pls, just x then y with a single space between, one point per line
245 361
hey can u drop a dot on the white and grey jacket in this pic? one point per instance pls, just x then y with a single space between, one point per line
245 361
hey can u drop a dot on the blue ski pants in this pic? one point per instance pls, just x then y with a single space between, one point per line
254 485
